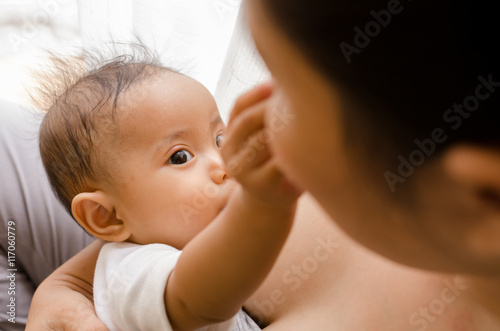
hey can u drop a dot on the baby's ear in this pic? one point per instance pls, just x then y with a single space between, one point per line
95 213
477 169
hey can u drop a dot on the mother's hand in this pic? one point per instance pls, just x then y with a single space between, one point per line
58 306
63 301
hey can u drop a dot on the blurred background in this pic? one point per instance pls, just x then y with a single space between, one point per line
205 39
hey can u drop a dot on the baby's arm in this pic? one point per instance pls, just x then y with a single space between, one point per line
224 265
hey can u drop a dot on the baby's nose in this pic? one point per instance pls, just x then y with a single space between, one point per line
219 175
218 172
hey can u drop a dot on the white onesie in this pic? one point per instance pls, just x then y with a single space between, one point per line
129 286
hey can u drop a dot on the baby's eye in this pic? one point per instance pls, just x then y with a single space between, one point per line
180 157
218 140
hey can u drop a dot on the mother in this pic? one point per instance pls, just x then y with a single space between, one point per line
395 135
397 125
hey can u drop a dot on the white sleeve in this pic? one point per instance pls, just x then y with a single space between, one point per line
129 286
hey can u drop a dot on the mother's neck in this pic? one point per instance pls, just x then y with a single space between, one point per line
486 292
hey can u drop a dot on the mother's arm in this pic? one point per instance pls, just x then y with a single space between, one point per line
63 301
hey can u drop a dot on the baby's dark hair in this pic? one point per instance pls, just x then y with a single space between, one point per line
81 97
405 67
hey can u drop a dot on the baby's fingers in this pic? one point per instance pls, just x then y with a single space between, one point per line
252 154
250 98
241 129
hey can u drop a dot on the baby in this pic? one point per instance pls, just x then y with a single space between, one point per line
133 150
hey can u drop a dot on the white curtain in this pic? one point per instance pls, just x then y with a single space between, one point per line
205 39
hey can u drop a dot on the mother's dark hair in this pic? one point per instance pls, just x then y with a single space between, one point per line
404 78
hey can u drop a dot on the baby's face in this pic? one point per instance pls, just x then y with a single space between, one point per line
170 181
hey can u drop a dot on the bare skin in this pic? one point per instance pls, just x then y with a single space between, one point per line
324 280
454 224
349 288
353 289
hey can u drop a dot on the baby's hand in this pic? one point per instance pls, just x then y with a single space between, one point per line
246 149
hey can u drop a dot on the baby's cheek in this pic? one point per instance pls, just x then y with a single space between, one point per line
199 202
